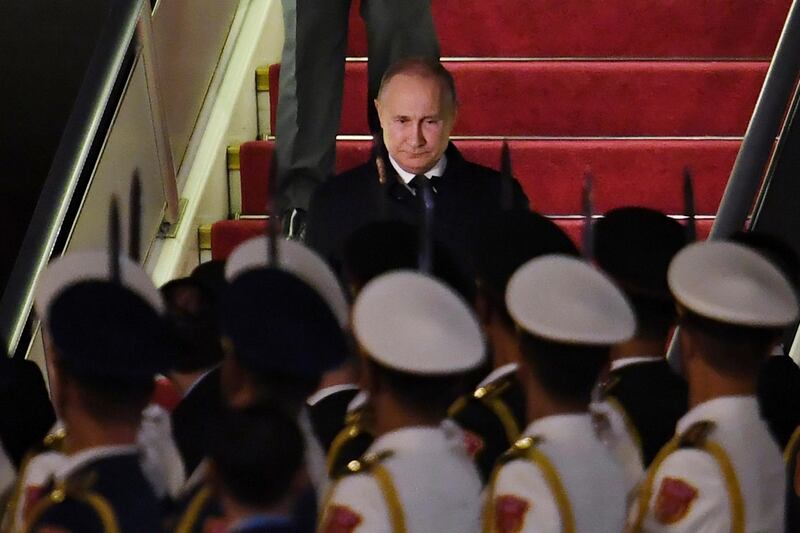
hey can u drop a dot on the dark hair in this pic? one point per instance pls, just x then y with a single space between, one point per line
730 349
211 275
257 453
109 400
568 372
428 396
424 67
192 318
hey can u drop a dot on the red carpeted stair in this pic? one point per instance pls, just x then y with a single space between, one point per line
635 90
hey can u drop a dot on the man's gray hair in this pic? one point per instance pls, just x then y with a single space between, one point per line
423 67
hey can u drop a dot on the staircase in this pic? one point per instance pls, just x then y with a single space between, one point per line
634 90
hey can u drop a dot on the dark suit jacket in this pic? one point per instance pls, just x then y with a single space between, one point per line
466 199
26 414
193 419
117 479
654 398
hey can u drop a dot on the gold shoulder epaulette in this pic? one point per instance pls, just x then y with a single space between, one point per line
367 463
520 449
54 441
696 435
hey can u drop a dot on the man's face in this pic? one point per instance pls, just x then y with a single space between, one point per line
417 118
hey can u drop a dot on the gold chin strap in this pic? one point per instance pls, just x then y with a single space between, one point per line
189 518
526 449
694 437
99 504
793 447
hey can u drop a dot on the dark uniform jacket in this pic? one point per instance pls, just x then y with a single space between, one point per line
654 398
492 418
26 414
104 492
466 199
193 418
779 397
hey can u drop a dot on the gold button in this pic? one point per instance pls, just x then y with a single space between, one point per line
57 496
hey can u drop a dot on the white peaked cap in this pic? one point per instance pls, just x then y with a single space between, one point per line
93 265
296 259
733 284
413 323
566 300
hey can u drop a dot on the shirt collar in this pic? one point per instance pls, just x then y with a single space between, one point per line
446 435
576 425
259 520
198 380
627 361
498 373
735 408
436 170
79 460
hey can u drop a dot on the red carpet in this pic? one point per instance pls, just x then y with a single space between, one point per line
640 172
635 90
601 28
570 98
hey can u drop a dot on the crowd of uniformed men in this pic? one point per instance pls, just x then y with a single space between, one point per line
437 358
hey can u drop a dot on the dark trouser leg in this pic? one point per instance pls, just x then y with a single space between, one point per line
395 29
310 101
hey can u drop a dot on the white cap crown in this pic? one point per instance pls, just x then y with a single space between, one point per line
733 284
92 265
413 323
564 299
296 259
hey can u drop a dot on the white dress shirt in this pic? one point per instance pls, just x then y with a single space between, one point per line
437 170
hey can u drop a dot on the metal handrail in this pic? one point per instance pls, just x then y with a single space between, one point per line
73 164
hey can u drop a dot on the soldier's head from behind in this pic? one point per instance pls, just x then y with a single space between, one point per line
635 245
192 315
568 316
733 306
256 462
417 108
279 337
512 239
105 342
420 341
381 247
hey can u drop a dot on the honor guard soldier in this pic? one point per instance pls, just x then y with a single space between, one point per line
105 342
559 476
419 340
723 470
256 466
282 330
493 415
641 397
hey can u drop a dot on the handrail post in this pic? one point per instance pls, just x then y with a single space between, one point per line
754 154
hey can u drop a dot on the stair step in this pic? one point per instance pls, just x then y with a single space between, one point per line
627 172
583 98
226 235
601 28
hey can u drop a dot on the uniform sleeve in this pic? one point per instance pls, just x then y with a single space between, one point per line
356 505
689 495
522 501
615 432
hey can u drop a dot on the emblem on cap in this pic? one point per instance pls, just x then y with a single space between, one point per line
510 513
674 500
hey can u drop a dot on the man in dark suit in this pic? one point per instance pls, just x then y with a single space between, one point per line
417 108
